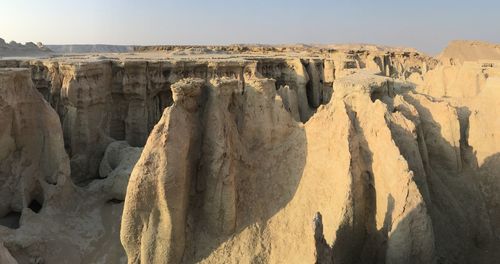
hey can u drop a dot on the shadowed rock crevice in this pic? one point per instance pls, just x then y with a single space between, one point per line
453 208
11 220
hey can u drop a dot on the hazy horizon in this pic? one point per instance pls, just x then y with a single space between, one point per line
425 25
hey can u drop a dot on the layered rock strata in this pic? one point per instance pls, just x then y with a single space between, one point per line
333 157
102 100
374 162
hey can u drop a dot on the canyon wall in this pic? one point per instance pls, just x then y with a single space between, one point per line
343 157
44 217
33 163
99 101
386 173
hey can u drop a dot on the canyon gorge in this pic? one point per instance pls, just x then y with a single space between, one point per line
250 154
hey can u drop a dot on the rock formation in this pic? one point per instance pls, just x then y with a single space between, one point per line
33 163
44 218
102 100
14 49
258 154
6 257
460 51
374 162
82 48
115 169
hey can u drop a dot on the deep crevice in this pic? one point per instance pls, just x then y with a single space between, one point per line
114 201
35 206
11 220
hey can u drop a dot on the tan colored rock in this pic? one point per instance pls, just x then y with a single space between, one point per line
315 86
5 256
465 80
484 140
301 78
285 190
255 159
441 130
126 94
395 204
459 51
33 163
290 101
154 218
115 169
216 177
44 217
484 124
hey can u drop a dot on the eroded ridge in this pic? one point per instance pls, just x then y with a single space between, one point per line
321 157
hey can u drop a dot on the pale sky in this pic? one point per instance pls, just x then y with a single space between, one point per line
427 25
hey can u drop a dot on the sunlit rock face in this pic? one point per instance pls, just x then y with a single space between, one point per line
250 155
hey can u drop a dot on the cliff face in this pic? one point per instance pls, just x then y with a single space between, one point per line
465 80
329 157
44 218
102 100
33 164
389 171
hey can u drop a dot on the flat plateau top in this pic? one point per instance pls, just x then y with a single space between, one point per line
13 70
158 55
10 71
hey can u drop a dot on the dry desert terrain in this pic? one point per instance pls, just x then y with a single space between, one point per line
249 154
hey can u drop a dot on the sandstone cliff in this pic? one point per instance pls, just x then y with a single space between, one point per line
33 164
248 154
385 168
101 100
44 218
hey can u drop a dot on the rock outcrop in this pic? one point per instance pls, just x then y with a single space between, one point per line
33 163
29 49
115 169
101 100
465 80
258 154
374 162
460 51
44 218
97 48
6 257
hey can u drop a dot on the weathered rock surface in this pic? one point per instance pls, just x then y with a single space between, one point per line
6 257
33 164
104 99
115 169
459 51
385 167
465 80
14 49
82 48
44 218
154 229
251 156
